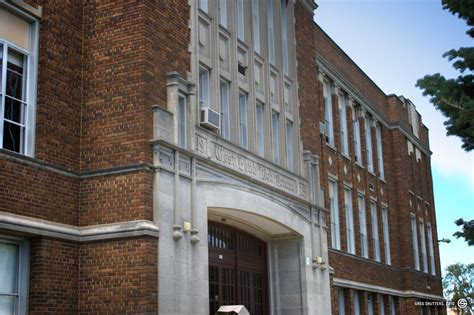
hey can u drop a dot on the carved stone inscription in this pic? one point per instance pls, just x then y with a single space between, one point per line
253 169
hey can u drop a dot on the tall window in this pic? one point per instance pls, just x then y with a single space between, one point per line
182 122
393 309
204 88
328 113
378 135
333 205
260 126
275 137
357 146
240 20
375 230
349 221
203 5
343 125
341 302
224 98
284 35
223 13
256 25
370 305
423 246
13 270
368 145
289 144
386 237
356 303
431 252
270 32
381 305
364 246
414 238
243 125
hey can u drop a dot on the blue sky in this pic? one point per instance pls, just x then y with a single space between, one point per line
396 42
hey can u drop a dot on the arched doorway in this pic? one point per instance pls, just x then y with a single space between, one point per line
237 269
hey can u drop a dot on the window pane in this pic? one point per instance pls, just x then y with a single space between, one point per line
271 35
203 5
1 68
12 136
223 13
260 125
182 122
15 78
14 110
240 20
284 34
243 120
289 144
203 88
7 305
256 25
275 140
8 268
224 91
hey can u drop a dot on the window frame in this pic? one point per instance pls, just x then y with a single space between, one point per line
28 147
378 136
375 230
386 235
357 142
260 128
424 254
414 237
343 133
224 110
429 232
182 122
350 236
240 20
23 272
364 246
328 115
275 137
289 144
368 145
334 212
203 103
243 120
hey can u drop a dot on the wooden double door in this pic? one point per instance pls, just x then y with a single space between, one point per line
237 270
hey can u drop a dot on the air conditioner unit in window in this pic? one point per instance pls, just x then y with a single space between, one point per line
210 118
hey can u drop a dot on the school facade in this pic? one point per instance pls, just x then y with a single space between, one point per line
169 157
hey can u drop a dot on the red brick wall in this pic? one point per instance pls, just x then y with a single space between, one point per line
53 277
119 277
36 192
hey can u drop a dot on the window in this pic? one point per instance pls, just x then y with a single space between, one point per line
224 98
364 246
375 230
256 25
204 88
393 309
270 32
182 122
431 252
240 20
223 13
349 221
14 273
423 246
333 205
275 137
260 126
356 303
368 145
18 45
289 144
328 113
378 135
343 125
414 238
341 303
243 120
203 5
284 35
357 147
370 306
413 119
381 305
386 237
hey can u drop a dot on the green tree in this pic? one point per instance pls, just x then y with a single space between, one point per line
458 283
467 231
455 97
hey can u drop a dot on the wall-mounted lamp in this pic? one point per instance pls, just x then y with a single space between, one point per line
444 240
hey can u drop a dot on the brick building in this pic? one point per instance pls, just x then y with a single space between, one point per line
168 157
